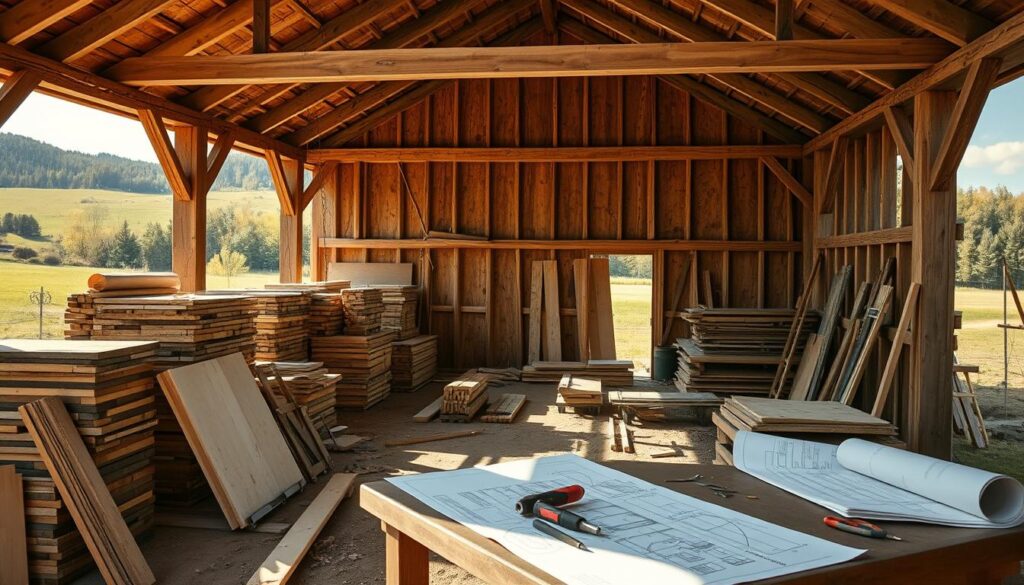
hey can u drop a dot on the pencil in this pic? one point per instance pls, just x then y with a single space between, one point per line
550 530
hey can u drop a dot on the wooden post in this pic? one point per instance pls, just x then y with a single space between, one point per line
407 561
932 264
188 223
291 224
324 224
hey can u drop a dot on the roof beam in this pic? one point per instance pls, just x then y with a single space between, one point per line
218 155
787 179
260 26
315 40
762 20
284 187
834 172
549 13
100 29
784 20
29 17
902 131
980 77
1003 38
534 61
491 18
940 17
419 92
662 17
211 30
319 177
14 91
155 129
554 153
85 87
698 89
400 37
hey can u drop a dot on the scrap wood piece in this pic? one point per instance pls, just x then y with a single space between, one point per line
85 494
203 522
302 439
626 436
343 443
234 435
893 362
13 550
794 332
280 565
429 412
863 351
828 326
431 438
505 409
614 442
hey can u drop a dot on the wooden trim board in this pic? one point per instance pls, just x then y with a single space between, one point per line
13 553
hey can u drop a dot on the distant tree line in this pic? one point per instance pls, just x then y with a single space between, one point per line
29 163
993 229
20 224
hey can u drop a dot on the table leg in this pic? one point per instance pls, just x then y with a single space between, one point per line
407 562
993 574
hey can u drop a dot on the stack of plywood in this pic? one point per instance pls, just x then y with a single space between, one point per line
816 420
413 362
400 310
364 362
363 308
310 383
578 391
735 351
610 372
463 398
326 313
108 388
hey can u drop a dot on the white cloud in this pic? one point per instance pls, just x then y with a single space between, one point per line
1002 158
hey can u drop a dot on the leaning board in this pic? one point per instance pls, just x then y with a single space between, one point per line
234 436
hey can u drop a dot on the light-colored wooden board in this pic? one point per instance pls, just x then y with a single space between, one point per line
13 553
429 412
234 436
602 328
552 313
282 562
536 300
371 273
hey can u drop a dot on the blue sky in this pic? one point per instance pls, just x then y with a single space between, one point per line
995 156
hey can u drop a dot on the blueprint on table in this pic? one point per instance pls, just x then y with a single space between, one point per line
653 534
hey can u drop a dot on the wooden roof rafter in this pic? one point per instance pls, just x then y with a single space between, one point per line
941 18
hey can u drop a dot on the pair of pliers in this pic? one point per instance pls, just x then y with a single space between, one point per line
858 527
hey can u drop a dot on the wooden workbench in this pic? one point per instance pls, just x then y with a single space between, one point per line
928 554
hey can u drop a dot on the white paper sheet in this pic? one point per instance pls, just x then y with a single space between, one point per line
865 480
653 535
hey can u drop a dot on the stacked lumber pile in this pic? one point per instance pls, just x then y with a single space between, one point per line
505 409
310 383
413 363
326 312
78 316
659 406
108 387
281 323
400 303
363 309
580 392
364 362
817 421
610 372
463 398
735 351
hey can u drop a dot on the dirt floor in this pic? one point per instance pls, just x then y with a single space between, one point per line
350 550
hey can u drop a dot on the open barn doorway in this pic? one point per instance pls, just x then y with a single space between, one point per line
631 280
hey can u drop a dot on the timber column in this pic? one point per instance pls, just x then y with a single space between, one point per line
188 219
287 175
933 261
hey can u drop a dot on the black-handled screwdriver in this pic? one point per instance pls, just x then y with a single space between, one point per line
564 518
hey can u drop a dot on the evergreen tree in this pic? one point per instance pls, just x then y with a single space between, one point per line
125 251
967 257
987 265
156 248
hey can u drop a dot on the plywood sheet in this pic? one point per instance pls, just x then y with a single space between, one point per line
234 435
369 274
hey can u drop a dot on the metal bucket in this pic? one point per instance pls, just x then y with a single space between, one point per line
665 363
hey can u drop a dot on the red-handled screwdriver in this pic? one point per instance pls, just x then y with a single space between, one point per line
559 497
564 518
858 527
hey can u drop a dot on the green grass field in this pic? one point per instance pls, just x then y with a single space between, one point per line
631 310
980 341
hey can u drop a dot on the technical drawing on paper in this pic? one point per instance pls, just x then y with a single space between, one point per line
667 536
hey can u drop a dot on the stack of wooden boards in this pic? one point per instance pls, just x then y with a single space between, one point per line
734 351
326 313
400 306
78 317
610 372
821 421
505 409
655 406
580 392
364 362
247 461
108 388
281 323
310 383
364 308
463 398
413 363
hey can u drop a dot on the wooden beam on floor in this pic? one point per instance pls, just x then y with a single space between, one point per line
795 187
30 17
102 28
531 61
553 153
977 85
15 91
940 17
902 131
